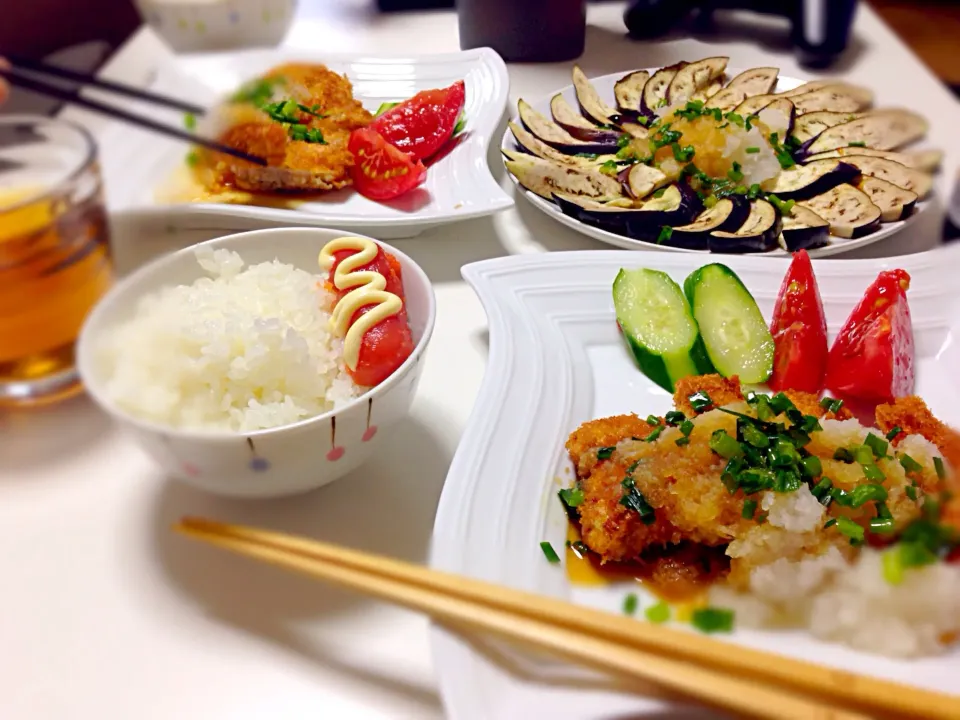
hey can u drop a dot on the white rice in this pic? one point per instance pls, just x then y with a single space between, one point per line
240 350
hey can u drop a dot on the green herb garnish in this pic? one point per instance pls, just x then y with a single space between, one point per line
630 604
658 613
894 431
711 620
666 232
384 107
749 509
850 529
605 452
571 497
753 150
909 464
878 446
724 445
858 143
190 121
938 466
700 402
634 500
549 552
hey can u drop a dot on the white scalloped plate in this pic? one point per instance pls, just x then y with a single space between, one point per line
604 85
556 360
458 186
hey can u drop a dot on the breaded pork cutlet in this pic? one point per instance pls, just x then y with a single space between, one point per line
299 118
721 391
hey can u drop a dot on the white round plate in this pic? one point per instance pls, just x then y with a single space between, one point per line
604 85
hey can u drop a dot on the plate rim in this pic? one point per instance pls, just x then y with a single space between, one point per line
478 146
885 231
456 662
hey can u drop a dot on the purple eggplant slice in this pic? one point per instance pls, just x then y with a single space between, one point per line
694 77
778 117
597 213
894 202
807 127
529 144
916 181
805 181
577 126
592 107
552 134
924 160
849 211
640 180
545 178
803 229
628 91
678 205
758 81
727 215
880 130
760 232
839 97
655 91
806 88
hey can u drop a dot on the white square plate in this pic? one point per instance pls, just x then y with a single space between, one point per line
458 186
557 360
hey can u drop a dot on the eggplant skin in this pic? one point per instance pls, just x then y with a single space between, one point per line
726 216
803 229
592 213
545 178
759 233
849 211
895 202
812 179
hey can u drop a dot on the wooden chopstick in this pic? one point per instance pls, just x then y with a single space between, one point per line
40 67
715 688
839 687
118 114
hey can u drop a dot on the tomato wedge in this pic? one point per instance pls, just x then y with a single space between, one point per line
872 357
380 171
421 125
389 343
799 330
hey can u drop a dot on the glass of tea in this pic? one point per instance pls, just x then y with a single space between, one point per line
55 260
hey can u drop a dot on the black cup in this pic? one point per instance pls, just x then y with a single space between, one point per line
524 30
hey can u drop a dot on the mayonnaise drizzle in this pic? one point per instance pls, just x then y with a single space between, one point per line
368 289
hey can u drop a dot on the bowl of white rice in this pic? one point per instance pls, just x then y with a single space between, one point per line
220 361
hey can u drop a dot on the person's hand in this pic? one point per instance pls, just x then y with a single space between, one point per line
4 87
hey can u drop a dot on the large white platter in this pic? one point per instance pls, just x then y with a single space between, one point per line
458 186
604 85
556 360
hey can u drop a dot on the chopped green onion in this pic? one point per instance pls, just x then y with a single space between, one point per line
812 466
755 437
911 492
710 201
653 420
858 143
894 431
384 107
892 566
461 124
764 410
915 554
724 445
549 552
192 158
749 509
681 441
633 466
821 491
736 174
878 446
830 404
829 523
843 455
686 427
753 150
938 465
630 604
605 452
753 192
588 156
623 140
634 500
863 494
781 403
654 434
674 417
666 232
609 168
190 121
710 620
658 613
659 193
682 154
700 402
909 464
850 529
872 473
883 522
862 454
571 497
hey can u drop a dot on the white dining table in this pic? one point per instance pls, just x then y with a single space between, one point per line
106 613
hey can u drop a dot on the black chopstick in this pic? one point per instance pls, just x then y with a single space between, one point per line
118 114
38 66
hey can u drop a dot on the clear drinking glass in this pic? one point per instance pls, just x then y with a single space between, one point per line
55 260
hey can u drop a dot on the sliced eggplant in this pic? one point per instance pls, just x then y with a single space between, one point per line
778 116
805 181
915 181
803 229
552 134
753 105
881 130
655 91
676 206
545 177
908 159
640 180
894 202
759 232
628 91
709 91
807 87
758 81
598 213
576 125
728 215
849 211
635 130
926 160
694 77
591 105
806 127
533 146
834 98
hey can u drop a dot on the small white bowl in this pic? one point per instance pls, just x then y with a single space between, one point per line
209 25
278 461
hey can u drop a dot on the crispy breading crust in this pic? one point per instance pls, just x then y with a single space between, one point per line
809 404
599 433
722 391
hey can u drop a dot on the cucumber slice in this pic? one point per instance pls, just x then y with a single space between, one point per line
659 328
733 330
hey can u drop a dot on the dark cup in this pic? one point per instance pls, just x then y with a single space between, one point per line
524 30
